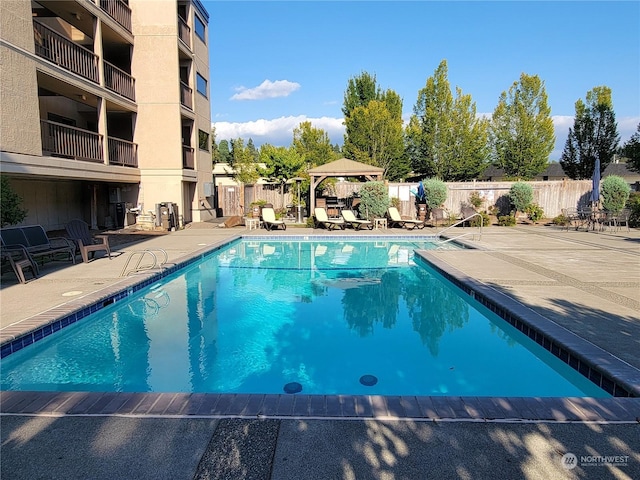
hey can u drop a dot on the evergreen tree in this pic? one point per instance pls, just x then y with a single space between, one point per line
522 129
360 91
594 135
242 162
225 153
253 151
631 150
444 138
215 153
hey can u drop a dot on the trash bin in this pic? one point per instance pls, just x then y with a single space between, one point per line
167 215
121 211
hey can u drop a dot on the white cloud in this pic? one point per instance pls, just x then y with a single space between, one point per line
267 89
279 131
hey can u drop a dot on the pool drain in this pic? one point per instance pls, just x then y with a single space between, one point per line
368 380
293 387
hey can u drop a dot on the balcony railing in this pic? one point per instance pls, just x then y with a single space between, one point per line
186 95
122 152
119 11
187 157
57 49
184 32
71 142
119 81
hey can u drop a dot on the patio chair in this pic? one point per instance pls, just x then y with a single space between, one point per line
79 232
438 216
354 222
623 219
465 214
20 260
323 219
269 219
396 219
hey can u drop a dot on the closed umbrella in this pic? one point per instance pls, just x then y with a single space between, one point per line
595 183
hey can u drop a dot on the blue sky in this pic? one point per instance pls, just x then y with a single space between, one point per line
276 64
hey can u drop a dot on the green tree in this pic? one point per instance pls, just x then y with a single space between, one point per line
521 196
253 151
11 211
594 135
313 144
242 162
374 199
225 152
444 137
215 153
522 130
631 150
281 164
373 126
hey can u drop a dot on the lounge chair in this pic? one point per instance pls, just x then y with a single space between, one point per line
36 242
396 219
269 219
323 219
79 232
355 223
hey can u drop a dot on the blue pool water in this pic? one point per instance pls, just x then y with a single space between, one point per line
326 317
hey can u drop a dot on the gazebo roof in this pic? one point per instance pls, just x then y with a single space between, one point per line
345 167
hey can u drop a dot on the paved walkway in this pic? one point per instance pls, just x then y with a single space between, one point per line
588 282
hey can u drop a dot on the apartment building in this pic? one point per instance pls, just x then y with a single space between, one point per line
104 109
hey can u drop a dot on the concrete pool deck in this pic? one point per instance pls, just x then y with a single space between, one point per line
587 282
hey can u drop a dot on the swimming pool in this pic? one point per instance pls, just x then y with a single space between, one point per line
345 317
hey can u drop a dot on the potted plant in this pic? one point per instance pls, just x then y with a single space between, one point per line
421 201
256 207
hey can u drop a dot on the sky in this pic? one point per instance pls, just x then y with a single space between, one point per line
274 64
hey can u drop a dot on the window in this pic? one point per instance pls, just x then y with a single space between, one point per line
201 84
200 28
203 140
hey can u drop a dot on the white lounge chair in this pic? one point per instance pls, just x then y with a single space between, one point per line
323 219
269 219
356 223
396 219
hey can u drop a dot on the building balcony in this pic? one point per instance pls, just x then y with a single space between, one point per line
119 81
64 53
184 32
122 152
65 141
119 11
188 161
186 95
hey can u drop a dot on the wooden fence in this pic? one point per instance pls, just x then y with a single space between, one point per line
551 196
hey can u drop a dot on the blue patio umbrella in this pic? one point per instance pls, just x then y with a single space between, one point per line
595 183
420 194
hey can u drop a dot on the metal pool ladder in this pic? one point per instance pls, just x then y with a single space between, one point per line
477 232
155 258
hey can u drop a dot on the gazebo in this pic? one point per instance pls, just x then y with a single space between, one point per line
342 167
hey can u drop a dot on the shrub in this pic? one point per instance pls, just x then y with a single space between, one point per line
534 211
11 210
614 191
395 202
475 199
475 221
633 204
507 220
374 199
560 220
521 196
435 191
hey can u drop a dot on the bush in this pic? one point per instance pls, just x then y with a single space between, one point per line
475 199
521 196
507 220
435 191
374 199
633 204
475 221
560 220
535 212
11 210
614 191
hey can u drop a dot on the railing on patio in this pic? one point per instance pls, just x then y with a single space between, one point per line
122 152
66 141
187 157
119 81
186 95
119 11
184 32
57 49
